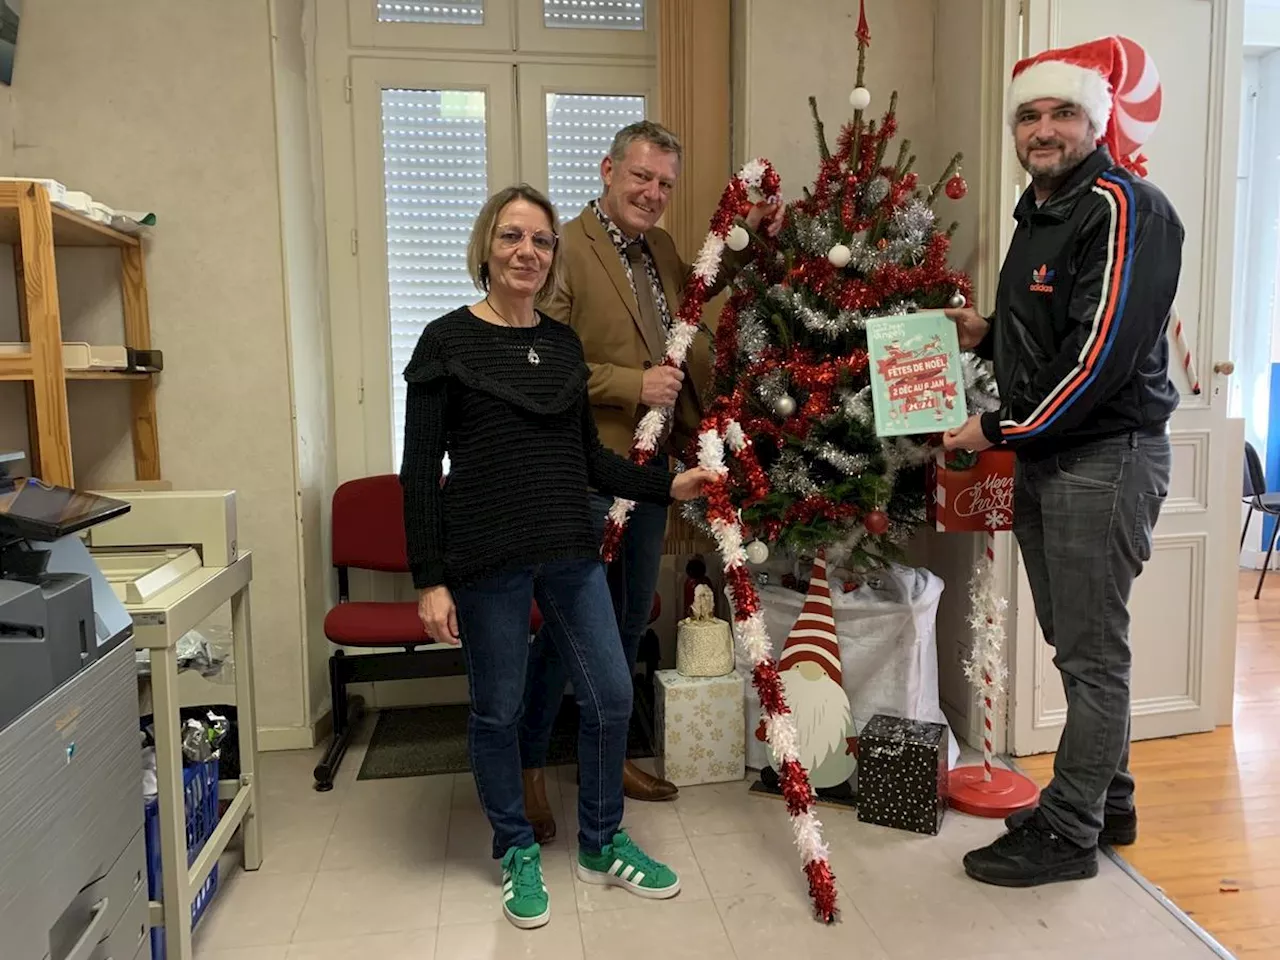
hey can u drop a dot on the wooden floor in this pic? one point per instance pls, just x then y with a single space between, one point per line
1209 804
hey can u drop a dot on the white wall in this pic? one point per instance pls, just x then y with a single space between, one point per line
169 107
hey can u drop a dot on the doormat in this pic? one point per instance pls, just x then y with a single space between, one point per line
422 741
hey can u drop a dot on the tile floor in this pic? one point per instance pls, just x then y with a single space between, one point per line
399 870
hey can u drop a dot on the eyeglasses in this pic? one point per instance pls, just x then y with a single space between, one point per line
544 241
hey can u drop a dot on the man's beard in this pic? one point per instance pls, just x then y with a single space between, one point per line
1071 157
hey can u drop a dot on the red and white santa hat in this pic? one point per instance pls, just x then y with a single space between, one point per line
1111 79
813 638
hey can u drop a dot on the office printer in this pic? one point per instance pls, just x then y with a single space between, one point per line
58 614
72 843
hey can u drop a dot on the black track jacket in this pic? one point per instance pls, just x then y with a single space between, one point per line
1079 336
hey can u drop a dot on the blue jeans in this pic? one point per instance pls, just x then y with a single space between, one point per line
493 618
1084 522
632 579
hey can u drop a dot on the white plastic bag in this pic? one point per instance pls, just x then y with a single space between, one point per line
888 649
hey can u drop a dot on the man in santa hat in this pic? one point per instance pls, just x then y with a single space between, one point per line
1079 342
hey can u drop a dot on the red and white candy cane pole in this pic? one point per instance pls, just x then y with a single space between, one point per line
726 526
1179 336
988 791
757 176
988 681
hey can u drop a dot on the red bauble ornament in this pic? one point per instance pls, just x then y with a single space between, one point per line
957 188
850 586
876 522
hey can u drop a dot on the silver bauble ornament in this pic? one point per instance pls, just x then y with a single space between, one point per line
784 406
957 300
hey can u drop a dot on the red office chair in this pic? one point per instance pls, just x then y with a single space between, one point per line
368 534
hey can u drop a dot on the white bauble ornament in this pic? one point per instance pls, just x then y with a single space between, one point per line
784 406
757 552
860 98
839 255
737 239
957 300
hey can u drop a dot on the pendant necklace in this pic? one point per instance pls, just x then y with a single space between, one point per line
532 356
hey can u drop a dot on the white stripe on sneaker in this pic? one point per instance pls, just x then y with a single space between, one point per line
626 874
638 878
616 869
508 895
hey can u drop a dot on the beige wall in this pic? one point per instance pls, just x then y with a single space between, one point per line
149 104
311 369
930 51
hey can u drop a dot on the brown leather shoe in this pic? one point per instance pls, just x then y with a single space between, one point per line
537 809
639 785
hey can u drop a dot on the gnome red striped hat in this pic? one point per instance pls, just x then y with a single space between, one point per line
1111 79
813 638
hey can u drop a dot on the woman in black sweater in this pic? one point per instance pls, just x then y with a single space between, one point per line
502 389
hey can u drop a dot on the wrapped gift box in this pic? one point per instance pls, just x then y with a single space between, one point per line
699 726
902 774
972 492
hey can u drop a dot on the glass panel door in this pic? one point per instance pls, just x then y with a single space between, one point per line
568 119
602 27
431 24
433 140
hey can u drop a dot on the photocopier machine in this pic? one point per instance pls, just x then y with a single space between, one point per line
72 849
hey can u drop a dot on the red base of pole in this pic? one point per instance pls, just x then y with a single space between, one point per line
1005 793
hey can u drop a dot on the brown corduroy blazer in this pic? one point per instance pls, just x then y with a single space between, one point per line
597 301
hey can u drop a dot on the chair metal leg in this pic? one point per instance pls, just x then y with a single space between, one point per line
1267 563
1248 518
346 714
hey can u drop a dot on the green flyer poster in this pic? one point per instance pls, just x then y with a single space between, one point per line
917 383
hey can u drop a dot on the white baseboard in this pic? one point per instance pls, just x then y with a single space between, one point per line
285 738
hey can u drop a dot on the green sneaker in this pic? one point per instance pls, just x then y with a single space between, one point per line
623 864
524 895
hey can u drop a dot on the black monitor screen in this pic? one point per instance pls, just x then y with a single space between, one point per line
32 510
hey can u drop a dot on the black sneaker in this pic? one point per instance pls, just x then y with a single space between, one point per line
1118 829
1029 855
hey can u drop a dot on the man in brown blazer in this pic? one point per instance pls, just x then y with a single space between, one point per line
623 281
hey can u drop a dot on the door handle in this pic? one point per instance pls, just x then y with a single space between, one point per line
93 933
1224 367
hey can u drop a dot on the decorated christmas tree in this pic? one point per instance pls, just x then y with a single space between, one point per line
791 364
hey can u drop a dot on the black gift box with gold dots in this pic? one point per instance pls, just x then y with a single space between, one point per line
902 774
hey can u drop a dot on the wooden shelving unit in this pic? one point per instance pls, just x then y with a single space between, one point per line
36 228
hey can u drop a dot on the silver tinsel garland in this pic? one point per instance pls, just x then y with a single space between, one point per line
815 321
876 193
913 222
857 406
852 464
791 475
753 333
771 386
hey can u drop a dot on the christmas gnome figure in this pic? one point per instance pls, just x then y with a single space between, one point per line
811 677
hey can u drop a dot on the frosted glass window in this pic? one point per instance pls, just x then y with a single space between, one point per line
594 14
436 180
425 11
580 129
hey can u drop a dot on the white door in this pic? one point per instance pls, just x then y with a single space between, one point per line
432 141
1183 606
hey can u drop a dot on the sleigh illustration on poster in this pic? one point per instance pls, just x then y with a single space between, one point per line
917 382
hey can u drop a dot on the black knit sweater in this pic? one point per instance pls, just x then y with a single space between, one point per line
523 451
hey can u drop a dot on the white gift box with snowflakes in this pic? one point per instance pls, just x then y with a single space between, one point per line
700 728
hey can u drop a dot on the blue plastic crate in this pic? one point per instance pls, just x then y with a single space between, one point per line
200 795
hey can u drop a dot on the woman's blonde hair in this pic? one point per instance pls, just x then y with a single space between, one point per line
486 225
